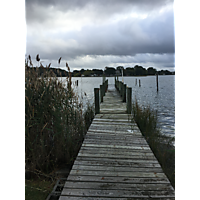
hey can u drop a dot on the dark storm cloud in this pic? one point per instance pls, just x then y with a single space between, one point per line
35 11
69 4
105 30
125 37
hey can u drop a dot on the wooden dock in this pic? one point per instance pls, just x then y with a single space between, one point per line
115 161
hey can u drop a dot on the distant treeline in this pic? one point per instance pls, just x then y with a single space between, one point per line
109 71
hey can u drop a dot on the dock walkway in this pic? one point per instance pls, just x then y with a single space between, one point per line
115 161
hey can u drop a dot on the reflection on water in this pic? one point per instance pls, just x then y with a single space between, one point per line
163 101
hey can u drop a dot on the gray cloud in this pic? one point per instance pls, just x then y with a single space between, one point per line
75 29
39 10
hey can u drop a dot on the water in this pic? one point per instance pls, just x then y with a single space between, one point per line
163 101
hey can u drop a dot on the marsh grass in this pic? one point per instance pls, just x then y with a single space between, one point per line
161 145
55 124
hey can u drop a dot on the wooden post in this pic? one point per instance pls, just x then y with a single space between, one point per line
139 83
122 88
117 85
101 92
96 100
103 89
157 80
104 78
124 93
106 85
129 100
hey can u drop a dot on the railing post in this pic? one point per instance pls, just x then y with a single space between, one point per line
106 84
129 100
118 85
122 89
104 89
124 93
96 100
101 92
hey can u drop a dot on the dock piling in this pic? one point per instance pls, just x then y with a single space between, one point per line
157 81
101 92
129 100
96 100
124 93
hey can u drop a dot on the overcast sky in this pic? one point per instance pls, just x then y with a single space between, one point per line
98 33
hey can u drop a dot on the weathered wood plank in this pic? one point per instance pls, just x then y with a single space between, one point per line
117 160
124 151
117 141
113 116
120 160
111 123
126 127
117 155
117 186
116 164
116 146
110 111
112 152
129 132
118 179
116 193
115 169
112 120
113 136
104 198
107 155
115 173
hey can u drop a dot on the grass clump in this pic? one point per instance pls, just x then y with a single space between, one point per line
161 145
55 124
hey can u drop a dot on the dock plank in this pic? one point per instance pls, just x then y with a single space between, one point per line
115 161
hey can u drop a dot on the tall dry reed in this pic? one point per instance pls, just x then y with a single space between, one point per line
54 123
161 145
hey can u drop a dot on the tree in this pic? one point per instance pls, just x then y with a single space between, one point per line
130 71
139 71
76 73
82 71
151 71
87 72
110 71
120 68
98 72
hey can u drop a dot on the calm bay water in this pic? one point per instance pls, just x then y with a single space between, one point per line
163 101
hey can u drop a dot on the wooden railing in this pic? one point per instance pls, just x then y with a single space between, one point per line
103 89
125 92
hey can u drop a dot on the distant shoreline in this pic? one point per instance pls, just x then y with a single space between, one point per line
137 71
